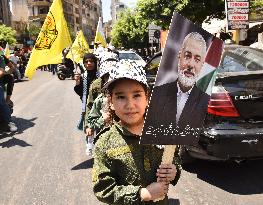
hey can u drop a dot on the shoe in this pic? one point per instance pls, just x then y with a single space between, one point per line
89 152
12 127
10 103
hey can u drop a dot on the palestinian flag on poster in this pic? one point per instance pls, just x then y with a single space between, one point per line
208 73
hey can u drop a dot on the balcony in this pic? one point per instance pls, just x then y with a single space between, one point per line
39 2
39 17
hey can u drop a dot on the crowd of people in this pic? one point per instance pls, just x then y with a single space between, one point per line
11 69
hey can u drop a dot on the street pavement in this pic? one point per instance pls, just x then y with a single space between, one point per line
44 163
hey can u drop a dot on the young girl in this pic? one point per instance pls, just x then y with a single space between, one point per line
83 82
125 172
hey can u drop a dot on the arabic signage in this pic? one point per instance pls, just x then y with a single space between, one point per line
237 14
153 38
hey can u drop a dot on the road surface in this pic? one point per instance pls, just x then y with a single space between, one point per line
45 163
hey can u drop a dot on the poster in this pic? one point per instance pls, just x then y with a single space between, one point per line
182 89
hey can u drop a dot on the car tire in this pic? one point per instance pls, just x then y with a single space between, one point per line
61 76
185 156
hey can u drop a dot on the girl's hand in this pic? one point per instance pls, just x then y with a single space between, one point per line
166 173
154 191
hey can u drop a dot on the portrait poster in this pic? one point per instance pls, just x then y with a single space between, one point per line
183 85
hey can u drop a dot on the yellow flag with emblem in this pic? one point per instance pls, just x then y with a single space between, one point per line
52 39
7 51
100 37
78 48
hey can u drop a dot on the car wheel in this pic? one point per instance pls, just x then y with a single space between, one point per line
185 156
61 76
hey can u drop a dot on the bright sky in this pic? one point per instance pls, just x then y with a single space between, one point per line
106 7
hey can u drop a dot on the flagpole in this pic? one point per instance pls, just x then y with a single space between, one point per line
74 63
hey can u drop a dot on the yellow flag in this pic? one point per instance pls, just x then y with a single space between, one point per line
78 48
100 37
52 39
7 51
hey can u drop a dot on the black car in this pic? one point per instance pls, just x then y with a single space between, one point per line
233 127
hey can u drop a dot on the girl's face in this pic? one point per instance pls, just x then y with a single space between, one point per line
89 64
129 102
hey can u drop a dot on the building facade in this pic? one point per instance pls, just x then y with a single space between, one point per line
108 29
72 9
19 10
116 7
37 11
90 13
5 14
79 14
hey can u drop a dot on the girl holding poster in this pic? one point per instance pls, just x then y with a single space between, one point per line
124 171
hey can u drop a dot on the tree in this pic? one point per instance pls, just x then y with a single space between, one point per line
34 30
161 11
7 35
254 4
30 32
130 31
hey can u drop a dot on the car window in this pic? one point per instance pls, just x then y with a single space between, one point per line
131 56
241 61
153 65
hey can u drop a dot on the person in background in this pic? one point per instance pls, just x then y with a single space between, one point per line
6 78
15 59
83 82
107 61
5 112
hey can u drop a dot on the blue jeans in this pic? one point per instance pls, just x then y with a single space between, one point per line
4 109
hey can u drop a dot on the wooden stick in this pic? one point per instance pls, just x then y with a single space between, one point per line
167 158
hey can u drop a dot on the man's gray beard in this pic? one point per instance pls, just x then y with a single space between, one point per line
186 81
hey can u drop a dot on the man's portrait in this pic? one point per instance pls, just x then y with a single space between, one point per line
178 107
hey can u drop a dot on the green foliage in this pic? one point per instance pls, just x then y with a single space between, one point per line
161 11
31 32
34 30
204 10
130 31
108 39
7 34
256 4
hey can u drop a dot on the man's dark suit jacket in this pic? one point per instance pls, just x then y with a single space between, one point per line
163 108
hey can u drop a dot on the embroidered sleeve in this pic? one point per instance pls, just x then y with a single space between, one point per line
105 186
95 120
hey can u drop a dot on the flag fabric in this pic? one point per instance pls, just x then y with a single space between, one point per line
100 37
52 39
78 48
7 51
208 73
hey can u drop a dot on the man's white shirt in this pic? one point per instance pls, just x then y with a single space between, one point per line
14 59
181 100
